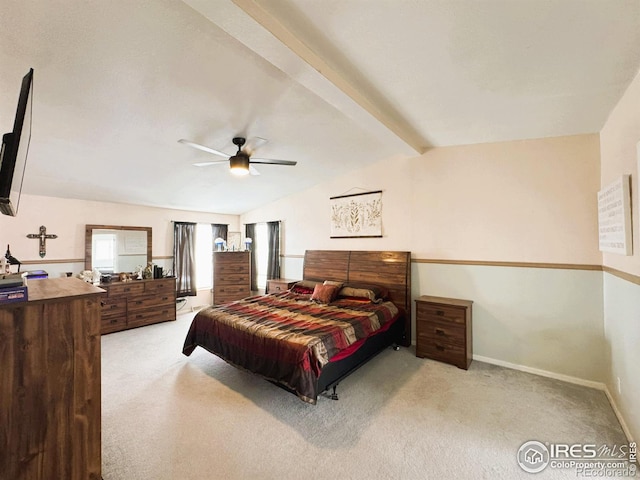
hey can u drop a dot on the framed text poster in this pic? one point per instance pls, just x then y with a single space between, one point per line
614 217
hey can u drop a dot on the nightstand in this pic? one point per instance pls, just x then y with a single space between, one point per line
443 330
279 285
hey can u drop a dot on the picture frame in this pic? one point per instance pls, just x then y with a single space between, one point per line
233 241
614 217
356 215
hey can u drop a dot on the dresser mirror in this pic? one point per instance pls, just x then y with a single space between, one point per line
116 248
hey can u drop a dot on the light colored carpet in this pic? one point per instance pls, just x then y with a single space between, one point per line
167 416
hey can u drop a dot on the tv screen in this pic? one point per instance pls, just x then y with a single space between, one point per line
15 147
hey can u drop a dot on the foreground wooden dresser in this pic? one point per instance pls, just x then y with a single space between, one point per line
443 330
138 303
50 383
231 276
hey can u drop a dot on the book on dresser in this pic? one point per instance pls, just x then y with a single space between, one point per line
231 276
137 303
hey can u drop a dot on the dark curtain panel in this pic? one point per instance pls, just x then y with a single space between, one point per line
273 261
250 232
184 255
219 230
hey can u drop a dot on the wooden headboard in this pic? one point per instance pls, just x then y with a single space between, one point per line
389 269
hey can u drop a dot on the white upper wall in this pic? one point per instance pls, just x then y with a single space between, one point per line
67 219
521 201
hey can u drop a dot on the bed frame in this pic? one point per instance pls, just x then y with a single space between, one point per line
390 269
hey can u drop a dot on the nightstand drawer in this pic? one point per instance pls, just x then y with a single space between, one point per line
279 285
443 351
442 313
442 331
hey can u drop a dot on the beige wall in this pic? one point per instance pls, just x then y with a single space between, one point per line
526 201
67 219
619 155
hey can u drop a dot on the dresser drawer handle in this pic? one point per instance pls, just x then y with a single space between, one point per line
440 347
439 331
115 320
440 313
139 316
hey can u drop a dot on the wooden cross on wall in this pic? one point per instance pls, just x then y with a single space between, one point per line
43 236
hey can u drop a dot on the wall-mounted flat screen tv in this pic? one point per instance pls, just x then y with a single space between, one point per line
15 147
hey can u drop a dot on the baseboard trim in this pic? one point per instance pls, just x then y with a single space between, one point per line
542 373
616 410
564 378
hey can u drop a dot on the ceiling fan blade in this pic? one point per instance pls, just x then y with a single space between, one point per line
253 171
203 148
208 164
255 143
266 161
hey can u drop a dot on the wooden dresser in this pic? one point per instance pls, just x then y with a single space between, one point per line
138 303
231 276
443 330
277 285
50 377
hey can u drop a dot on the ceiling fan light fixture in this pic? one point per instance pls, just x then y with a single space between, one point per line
239 164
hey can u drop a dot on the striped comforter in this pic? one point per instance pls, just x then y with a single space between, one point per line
286 337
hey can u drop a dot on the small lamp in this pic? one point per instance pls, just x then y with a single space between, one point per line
219 242
247 244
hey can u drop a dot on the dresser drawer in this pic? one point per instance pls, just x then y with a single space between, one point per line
126 288
233 279
232 269
151 315
441 313
110 324
148 301
160 286
113 307
228 293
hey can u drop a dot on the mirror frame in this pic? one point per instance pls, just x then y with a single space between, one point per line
88 236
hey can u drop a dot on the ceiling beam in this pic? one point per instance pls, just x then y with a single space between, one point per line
399 127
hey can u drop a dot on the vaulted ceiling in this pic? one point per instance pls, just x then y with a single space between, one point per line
332 84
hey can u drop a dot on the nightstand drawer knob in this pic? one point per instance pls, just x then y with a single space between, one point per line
440 347
440 312
439 331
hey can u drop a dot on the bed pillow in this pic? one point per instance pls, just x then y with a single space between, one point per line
304 287
375 293
333 282
324 293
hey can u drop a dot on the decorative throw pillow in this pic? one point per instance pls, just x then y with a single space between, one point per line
324 293
333 282
304 287
374 293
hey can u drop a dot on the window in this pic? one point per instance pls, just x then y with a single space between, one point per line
204 256
261 243
104 252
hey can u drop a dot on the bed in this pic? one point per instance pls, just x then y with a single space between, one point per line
304 342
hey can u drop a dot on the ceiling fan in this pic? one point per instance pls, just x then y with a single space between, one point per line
241 162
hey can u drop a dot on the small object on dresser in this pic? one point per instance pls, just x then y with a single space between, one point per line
35 274
13 294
